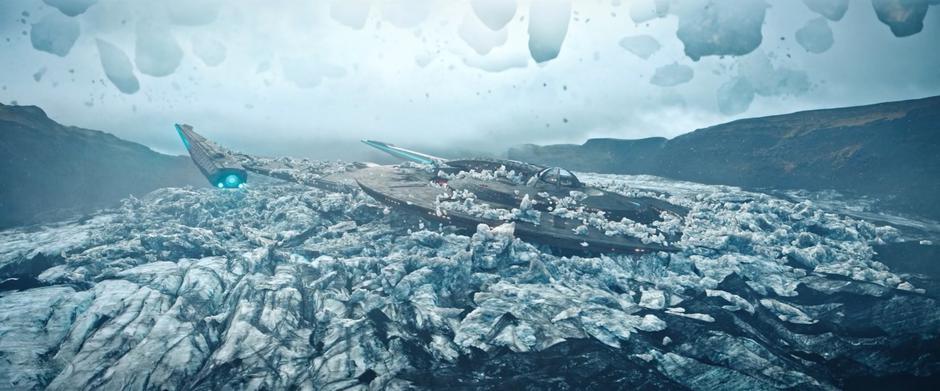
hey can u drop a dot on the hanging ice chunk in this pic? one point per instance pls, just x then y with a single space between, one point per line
211 51
117 67
672 75
351 13
904 17
646 10
406 13
815 36
495 14
735 96
548 25
71 7
833 10
156 51
193 12
768 80
709 27
55 34
643 46
479 37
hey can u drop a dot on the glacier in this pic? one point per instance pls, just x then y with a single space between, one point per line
280 286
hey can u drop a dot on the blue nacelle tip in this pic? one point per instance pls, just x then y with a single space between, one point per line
231 181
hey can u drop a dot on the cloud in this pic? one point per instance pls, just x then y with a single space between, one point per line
156 51
672 75
643 46
71 7
833 10
55 34
904 17
815 36
710 27
117 67
548 25
495 14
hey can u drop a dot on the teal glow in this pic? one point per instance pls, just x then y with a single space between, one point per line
232 180
220 185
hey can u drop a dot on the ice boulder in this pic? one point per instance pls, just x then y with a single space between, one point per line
495 14
716 28
815 36
548 25
71 7
117 67
156 51
672 75
643 46
55 34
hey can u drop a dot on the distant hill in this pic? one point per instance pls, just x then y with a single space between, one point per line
50 171
888 150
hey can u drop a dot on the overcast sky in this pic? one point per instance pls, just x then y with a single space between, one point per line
310 78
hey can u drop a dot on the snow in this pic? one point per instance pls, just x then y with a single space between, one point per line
281 286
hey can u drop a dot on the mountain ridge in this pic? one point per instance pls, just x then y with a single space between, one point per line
885 150
61 171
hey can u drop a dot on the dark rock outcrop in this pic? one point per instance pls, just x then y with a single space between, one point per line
890 151
51 171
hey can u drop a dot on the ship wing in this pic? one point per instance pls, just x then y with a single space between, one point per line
225 168
406 154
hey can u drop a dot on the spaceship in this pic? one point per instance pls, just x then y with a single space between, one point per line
546 206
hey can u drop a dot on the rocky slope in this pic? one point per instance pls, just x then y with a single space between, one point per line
887 150
50 171
281 287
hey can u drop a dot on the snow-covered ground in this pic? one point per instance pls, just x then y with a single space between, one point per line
279 286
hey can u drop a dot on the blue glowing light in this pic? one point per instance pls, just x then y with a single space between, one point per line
220 185
232 180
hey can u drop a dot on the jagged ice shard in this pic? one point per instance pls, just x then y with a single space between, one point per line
495 14
548 25
156 51
55 34
71 7
117 67
815 36
714 28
